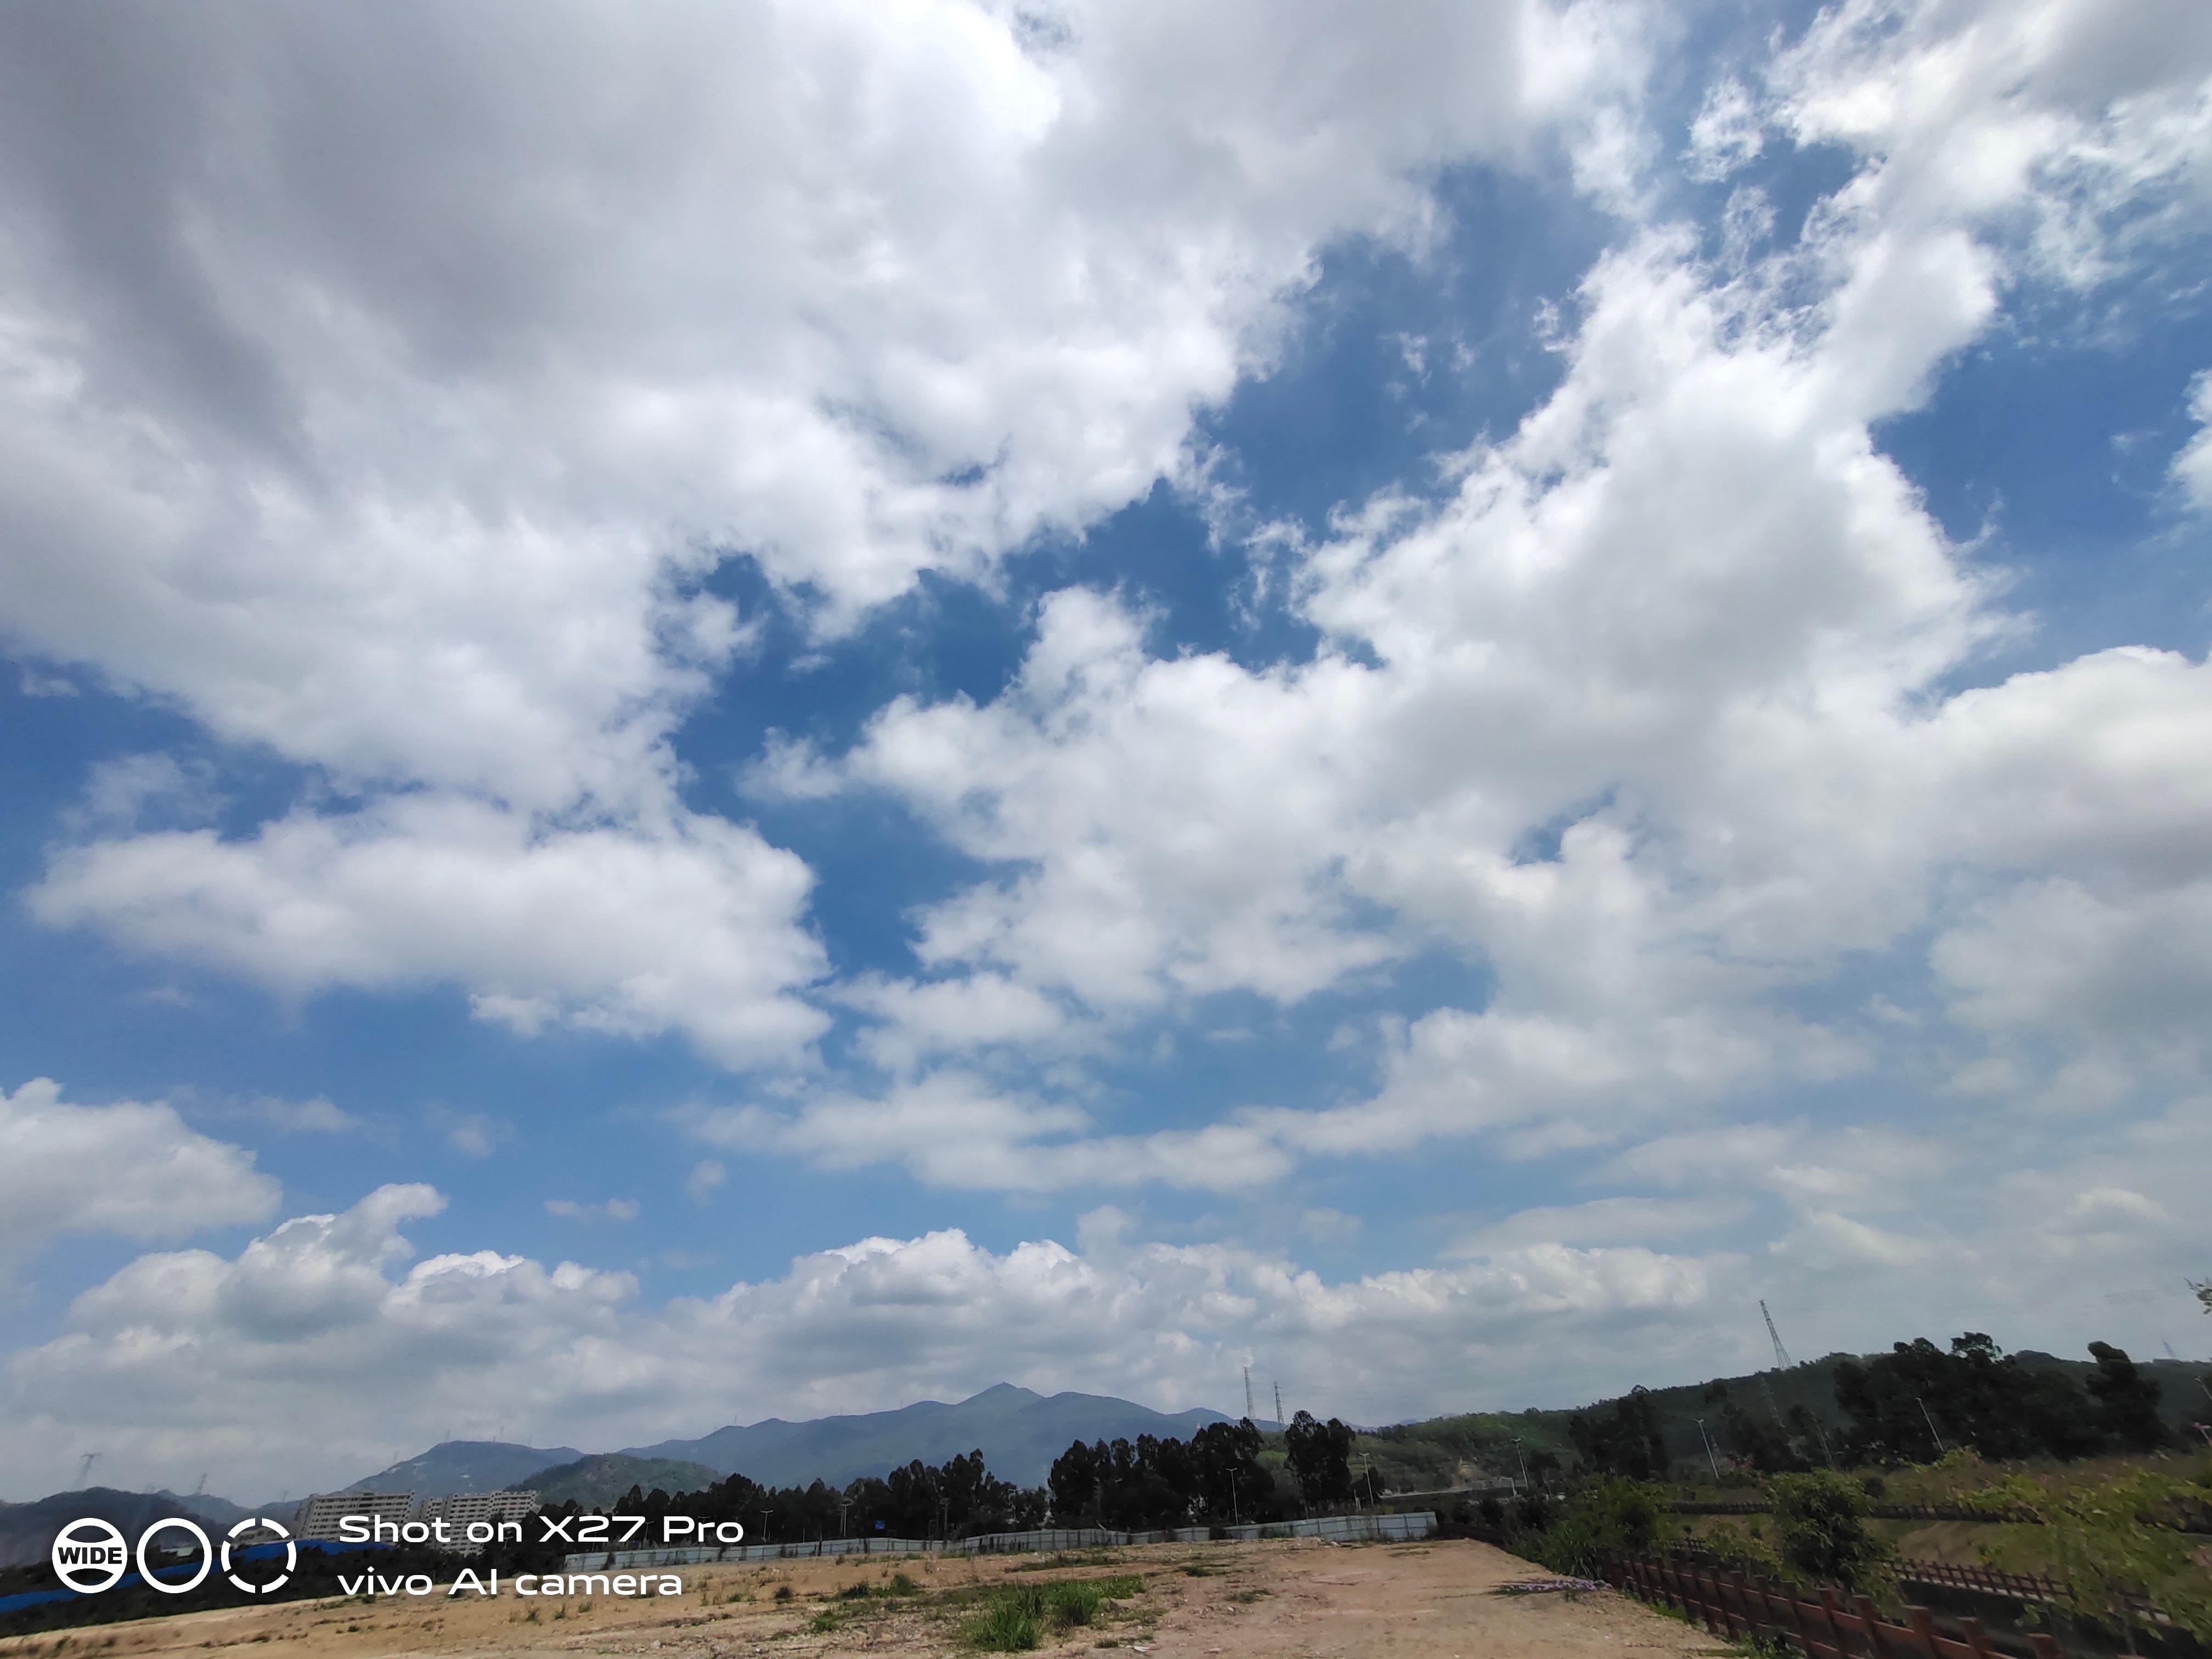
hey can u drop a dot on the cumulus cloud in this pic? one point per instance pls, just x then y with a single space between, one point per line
694 925
1647 712
386 394
323 1348
2192 467
129 1168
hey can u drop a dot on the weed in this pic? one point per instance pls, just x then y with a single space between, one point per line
900 1584
860 1592
1013 1619
783 1592
828 1619
1009 1622
1199 1570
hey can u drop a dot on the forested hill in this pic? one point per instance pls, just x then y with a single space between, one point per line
1446 1451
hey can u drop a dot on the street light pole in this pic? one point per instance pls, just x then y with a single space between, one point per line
1711 1461
1940 1449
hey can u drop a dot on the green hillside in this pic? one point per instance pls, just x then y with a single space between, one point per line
1451 1451
597 1482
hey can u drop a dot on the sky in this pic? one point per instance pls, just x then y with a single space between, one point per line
715 711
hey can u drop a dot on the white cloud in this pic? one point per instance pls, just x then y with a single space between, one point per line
1602 1221
412 470
319 1351
694 925
324 1350
614 1209
708 1177
2192 467
1647 713
913 288
951 1129
129 1168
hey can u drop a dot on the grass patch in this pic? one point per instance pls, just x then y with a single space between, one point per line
828 1619
1014 1618
1199 1570
901 1584
784 1592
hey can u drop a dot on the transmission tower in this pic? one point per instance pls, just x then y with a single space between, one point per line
1781 1354
1279 1402
84 1469
200 1489
1247 1391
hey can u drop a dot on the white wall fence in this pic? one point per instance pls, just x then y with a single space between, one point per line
1335 1528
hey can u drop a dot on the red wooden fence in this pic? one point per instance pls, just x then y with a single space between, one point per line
1731 1605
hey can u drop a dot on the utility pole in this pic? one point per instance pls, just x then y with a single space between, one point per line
1523 1457
1714 1464
1941 1450
1279 1419
1233 1521
1248 1392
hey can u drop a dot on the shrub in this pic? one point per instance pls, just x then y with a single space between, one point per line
1569 1547
1620 1513
1820 1533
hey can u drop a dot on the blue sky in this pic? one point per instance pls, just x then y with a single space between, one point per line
770 710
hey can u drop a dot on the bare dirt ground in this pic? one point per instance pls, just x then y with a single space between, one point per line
1302 1600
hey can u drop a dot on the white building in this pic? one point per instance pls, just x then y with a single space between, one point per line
320 1516
483 1508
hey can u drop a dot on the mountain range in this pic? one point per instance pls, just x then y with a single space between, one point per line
1018 1431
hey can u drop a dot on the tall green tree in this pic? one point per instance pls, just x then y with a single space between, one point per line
2127 1400
1320 1456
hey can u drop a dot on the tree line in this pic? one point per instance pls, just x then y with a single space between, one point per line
1215 1478
1909 1406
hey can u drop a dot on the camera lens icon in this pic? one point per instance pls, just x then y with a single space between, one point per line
260 1523
175 1586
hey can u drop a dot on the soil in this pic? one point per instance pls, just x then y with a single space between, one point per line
1295 1599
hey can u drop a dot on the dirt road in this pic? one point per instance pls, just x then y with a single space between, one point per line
1302 1600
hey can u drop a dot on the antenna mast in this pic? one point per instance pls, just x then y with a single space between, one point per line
1781 1354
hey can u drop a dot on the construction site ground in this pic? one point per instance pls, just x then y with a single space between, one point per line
1290 1600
